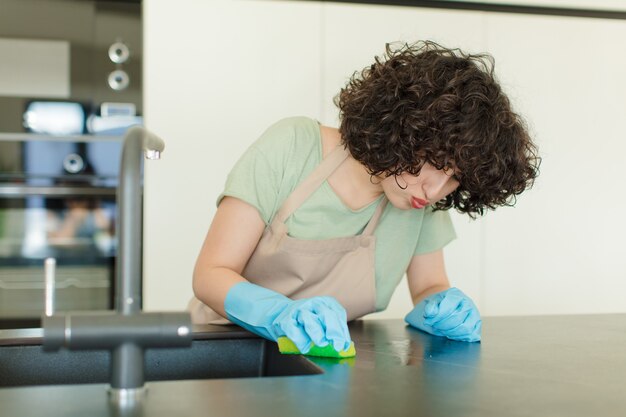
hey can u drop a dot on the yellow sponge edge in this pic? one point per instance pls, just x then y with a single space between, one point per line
286 346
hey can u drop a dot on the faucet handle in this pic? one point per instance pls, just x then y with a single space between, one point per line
49 267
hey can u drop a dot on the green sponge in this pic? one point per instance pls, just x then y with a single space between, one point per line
286 346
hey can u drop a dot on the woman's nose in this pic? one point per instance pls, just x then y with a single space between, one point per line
434 187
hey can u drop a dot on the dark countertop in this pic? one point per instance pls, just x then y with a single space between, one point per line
526 366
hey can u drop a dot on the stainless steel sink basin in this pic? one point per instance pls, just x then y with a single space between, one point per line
206 359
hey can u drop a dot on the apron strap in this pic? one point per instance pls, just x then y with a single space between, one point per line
371 226
314 181
311 183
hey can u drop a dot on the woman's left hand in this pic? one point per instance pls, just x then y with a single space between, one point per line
449 313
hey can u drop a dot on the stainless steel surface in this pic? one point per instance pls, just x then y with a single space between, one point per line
12 191
49 267
118 80
86 30
47 212
73 163
23 137
90 27
22 291
119 53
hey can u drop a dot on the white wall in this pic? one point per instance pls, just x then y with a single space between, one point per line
217 73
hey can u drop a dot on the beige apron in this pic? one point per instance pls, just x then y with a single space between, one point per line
340 267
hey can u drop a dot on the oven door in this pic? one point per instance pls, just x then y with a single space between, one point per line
77 230
57 200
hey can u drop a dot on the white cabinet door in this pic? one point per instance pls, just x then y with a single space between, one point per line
352 36
561 250
217 74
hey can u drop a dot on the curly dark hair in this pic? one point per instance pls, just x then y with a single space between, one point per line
426 103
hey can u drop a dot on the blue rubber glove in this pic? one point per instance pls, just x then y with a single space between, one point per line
449 313
321 320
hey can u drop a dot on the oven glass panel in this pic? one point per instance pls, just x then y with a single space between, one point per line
57 199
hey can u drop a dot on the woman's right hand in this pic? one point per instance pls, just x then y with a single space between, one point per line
317 320
320 320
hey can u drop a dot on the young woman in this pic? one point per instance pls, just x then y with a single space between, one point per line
317 226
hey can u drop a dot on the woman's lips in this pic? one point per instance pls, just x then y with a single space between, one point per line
418 203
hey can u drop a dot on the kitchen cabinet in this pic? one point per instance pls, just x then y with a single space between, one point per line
565 75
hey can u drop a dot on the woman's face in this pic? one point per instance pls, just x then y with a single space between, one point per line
408 191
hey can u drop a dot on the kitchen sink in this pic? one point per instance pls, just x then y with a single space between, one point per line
205 359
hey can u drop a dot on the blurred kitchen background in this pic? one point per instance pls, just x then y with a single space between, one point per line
70 85
210 76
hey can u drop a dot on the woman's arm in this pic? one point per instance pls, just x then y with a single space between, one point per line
426 275
229 244
234 233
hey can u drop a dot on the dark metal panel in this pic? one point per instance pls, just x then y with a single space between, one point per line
497 8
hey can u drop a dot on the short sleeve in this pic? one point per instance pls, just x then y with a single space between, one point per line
436 231
253 179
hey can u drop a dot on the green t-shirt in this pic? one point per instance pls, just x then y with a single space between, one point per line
286 154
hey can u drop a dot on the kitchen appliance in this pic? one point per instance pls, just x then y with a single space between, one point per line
81 51
57 200
70 86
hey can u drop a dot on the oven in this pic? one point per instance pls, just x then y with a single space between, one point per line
70 86
57 200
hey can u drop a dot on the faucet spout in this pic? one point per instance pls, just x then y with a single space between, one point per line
130 214
128 331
